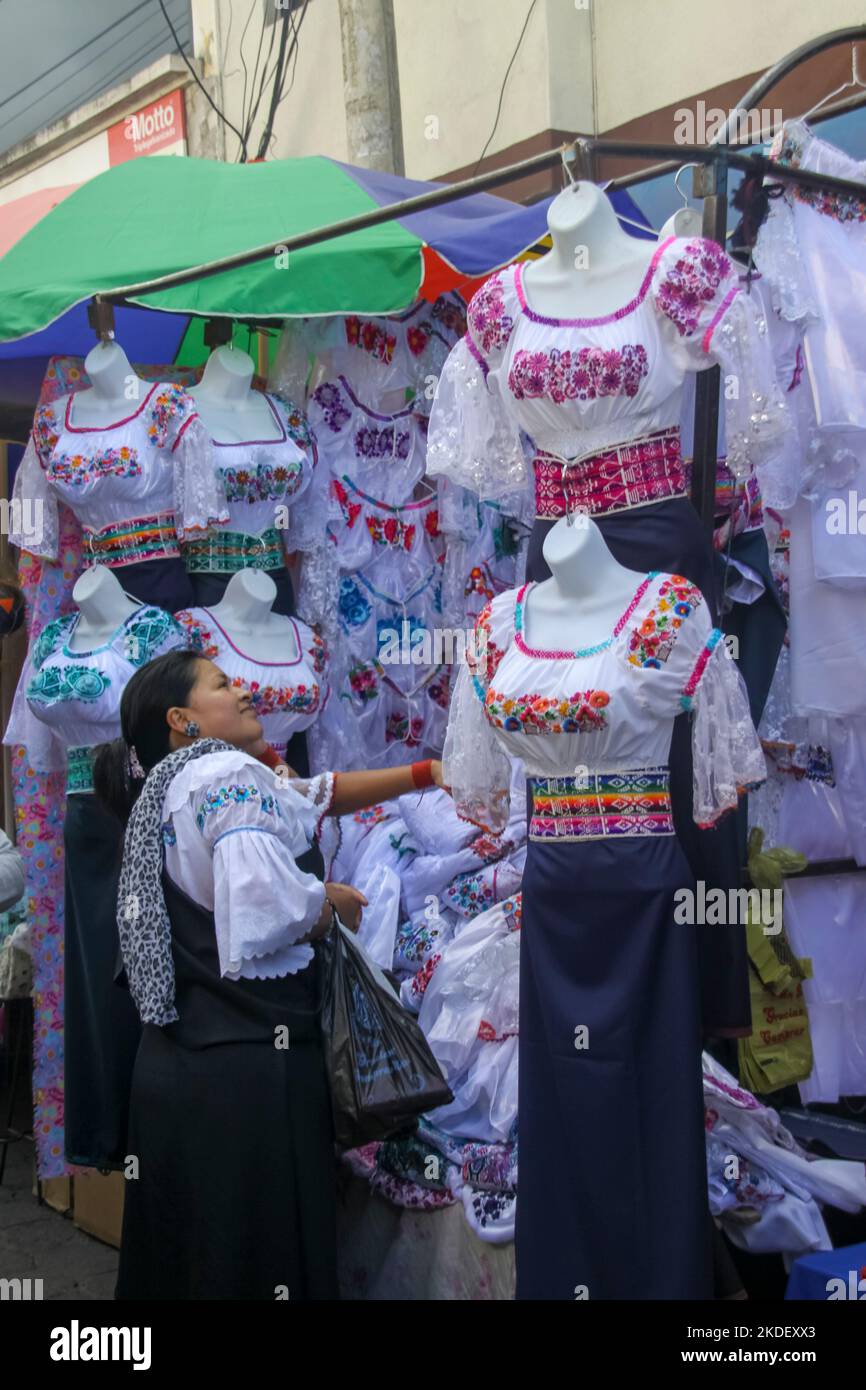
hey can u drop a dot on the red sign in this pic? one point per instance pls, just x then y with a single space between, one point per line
149 130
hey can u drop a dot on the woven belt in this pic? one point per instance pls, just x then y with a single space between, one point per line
130 542
629 475
601 804
79 770
226 552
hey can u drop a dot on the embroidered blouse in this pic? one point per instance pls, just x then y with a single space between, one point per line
383 453
578 387
232 830
70 700
607 710
155 464
258 476
287 695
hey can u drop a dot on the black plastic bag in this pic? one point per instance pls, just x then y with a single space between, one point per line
381 1070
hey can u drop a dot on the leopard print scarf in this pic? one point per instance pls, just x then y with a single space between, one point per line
142 916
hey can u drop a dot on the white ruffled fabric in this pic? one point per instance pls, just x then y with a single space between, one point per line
199 500
726 751
232 830
472 440
34 509
474 764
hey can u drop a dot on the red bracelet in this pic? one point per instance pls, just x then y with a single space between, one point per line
422 774
270 757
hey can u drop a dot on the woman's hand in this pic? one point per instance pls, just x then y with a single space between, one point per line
348 902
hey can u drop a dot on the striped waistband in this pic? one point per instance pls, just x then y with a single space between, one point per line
226 552
628 475
79 770
598 805
130 542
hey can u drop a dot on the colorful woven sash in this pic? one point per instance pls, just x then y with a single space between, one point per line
226 552
79 770
601 804
130 542
629 475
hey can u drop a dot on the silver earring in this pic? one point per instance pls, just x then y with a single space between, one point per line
192 729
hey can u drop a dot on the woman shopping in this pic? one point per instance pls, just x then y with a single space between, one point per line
230 1190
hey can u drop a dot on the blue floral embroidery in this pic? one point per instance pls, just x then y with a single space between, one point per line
235 792
169 835
57 683
354 608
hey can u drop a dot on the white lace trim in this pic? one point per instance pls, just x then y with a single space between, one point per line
475 766
726 750
472 440
199 500
34 505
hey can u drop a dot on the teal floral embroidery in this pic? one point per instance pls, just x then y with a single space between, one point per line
145 633
52 636
236 793
58 683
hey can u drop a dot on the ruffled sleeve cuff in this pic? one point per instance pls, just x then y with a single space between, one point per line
34 523
475 767
471 438
726 751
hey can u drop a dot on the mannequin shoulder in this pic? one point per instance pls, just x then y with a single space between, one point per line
670 613
689 276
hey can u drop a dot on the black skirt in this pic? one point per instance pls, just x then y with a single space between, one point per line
101 1028
234 1196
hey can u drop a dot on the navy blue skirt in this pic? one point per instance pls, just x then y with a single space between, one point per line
612 1198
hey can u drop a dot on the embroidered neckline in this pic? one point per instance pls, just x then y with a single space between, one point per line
100 429
388 506
244 443
583 651
374 414
621 313
253 660
136 613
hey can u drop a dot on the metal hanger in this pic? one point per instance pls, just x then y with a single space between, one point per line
686 221
853 82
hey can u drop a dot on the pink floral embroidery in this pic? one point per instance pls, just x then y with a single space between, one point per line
367 334
398 729
690 283
652 642
585 375
169 402
390 531
486 316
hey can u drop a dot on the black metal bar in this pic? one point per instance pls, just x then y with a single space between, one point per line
706 431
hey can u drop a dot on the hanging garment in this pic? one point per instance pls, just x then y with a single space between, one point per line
599 398
138 487
264 481
398 352
287 695
599 947
384 453
366 527
66 704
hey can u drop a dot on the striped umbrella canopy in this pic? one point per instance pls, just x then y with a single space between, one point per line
149 218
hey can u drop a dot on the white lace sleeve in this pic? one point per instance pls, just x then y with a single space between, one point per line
199 500
471 439
758 424
726 750
475 767
783 268
45 752
34 522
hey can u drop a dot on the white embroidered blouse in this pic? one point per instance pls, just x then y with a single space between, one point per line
232 830
575 387
607 709
156 460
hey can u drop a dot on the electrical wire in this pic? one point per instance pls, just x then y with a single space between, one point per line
256 100
502 88
49 72
225 120
102 83
277 87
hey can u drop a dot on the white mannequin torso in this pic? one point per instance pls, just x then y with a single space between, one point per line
115 390
593 267
103 607
231 411
587 593
244 612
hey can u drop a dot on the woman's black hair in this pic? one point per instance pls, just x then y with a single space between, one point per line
152 691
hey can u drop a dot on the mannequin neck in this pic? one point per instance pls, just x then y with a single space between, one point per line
593 267
580 562
115 389
245 611
579 605
227 379
103 606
